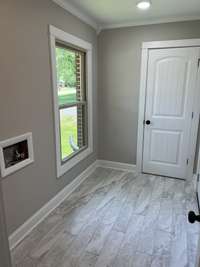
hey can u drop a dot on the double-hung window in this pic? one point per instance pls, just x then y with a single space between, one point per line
71 60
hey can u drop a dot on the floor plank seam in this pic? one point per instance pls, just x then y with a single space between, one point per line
89 229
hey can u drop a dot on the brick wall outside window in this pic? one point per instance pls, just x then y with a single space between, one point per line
80 117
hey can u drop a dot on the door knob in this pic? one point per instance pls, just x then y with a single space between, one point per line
192 217
148 122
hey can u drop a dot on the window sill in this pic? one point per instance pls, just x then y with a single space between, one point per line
62 168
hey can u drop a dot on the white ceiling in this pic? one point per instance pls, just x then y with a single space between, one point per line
118 13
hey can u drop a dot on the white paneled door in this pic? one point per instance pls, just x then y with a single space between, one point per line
170 91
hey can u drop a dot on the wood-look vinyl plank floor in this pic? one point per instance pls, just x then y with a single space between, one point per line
116 219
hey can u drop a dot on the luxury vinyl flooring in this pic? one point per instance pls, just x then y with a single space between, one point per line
116 219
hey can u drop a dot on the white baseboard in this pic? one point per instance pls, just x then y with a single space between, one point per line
16 237
194 181
116 165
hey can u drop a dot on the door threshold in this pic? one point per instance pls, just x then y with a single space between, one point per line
164 176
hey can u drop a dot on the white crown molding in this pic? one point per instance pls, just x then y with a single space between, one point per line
90 21
147 22
99 30
78 13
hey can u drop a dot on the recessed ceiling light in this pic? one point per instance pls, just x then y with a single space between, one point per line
144 4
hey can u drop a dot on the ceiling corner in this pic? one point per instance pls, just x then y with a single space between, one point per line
79 14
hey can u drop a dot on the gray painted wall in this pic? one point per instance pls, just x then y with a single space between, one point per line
119 53
5 259
26 100
26 95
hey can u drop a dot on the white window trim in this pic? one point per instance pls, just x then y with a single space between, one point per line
57 34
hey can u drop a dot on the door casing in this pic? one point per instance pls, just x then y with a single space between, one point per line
146 46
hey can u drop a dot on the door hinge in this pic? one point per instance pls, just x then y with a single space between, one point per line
192 114
198 62
187 161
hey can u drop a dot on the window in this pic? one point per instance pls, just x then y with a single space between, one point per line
72 79
72 100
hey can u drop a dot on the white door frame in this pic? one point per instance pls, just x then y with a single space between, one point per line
146 46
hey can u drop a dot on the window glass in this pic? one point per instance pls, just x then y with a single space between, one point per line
71 81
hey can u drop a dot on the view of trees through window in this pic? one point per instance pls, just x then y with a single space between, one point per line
71 98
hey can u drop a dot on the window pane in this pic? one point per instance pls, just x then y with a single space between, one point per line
72 130
70 75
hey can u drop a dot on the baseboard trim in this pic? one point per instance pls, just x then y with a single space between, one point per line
116 165
18 235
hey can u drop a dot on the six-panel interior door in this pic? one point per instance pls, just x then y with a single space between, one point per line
170 90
